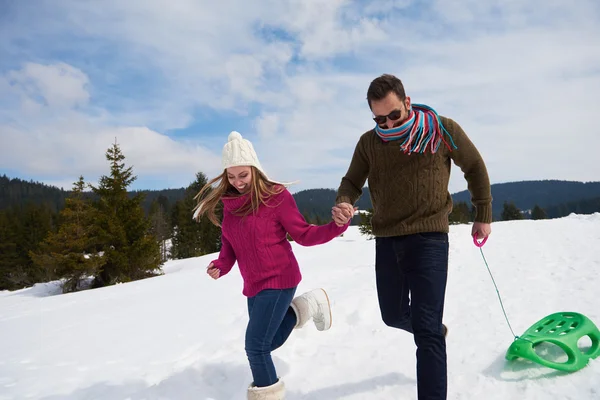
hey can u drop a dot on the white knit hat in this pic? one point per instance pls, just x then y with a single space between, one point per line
240 152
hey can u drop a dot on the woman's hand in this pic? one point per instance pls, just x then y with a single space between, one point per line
213 271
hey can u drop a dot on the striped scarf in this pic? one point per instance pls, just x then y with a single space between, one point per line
421 130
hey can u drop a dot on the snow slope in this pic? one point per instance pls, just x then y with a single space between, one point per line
181 335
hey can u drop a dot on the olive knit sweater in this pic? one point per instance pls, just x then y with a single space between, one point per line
410 192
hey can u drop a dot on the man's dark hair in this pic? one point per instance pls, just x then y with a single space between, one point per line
381 86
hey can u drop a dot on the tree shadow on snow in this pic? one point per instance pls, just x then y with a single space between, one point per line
217 382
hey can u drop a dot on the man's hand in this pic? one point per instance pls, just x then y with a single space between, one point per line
342 213
481 230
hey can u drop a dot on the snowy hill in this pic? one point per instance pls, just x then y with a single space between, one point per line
181 335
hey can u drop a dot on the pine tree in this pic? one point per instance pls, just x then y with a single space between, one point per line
69 253
131 251
538 213
160 226
191 238
511 212
9 256
364 225
30 225
319 220
307 217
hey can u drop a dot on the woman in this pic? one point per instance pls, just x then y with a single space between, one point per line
258 213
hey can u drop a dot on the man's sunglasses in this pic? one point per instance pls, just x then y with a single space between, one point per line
393 116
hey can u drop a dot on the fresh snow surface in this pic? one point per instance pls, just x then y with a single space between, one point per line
181 335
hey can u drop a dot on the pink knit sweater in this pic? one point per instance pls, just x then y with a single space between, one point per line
258 242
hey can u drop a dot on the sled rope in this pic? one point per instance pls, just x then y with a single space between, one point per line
499 297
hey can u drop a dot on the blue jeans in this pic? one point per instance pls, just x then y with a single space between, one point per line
270 324
417 265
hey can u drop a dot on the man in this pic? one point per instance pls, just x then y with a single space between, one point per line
407 159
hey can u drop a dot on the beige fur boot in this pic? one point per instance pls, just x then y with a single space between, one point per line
314 304
274 392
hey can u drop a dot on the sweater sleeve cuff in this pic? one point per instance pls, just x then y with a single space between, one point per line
483 213
343 199
217 264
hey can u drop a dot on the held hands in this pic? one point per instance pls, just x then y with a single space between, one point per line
342 213
213 271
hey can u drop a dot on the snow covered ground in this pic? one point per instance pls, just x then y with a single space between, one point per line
181 335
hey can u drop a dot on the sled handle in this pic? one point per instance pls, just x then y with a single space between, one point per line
479 244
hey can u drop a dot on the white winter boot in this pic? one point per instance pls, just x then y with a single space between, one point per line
274 392
315 305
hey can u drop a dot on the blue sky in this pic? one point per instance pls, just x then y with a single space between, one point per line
170 80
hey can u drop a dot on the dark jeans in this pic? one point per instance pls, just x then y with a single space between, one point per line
271 322
417 265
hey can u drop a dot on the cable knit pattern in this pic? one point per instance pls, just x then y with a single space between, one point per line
239 152
259 245
410 192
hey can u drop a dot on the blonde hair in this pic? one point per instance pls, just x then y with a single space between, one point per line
261 189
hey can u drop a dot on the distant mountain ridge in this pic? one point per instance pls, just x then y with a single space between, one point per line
558 197
545 193
15 191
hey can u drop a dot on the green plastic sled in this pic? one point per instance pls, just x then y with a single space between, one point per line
563 329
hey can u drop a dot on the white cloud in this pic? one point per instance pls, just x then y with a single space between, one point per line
58 85
520 76
267 125
385 6
157 154
51 138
